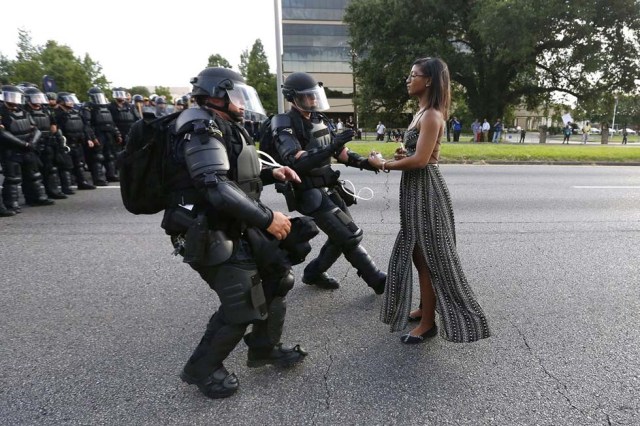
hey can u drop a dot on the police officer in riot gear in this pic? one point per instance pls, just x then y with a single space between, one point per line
304 141
19 139
227 235
122 113
4 211
138 105
97 114
78 135
51 146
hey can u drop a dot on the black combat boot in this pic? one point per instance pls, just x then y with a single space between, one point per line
205 368
65 182
315 272
5 212
219 384
264 340
52 185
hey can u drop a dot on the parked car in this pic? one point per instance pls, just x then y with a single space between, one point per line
612 131
630 132
595 131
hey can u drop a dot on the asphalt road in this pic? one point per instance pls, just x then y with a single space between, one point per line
97 318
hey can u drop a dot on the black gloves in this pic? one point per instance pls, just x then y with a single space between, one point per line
340 140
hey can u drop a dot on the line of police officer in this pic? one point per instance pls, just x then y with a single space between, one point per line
47 140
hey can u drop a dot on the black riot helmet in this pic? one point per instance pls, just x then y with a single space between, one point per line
97 97
119 93
228 85
34 96
68 100
304 92
137 98
12 96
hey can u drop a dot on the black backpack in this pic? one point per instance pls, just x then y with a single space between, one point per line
142 165
266 138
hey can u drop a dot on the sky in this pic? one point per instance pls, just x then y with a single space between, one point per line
148 43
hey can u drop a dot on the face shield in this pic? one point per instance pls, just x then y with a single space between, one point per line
70 100
119 94
99 99
312 100
37 98
13 97
246 97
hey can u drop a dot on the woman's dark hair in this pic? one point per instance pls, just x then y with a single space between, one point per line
440 93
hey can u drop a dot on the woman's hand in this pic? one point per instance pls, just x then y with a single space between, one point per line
400 153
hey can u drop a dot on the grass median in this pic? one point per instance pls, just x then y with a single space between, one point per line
461 152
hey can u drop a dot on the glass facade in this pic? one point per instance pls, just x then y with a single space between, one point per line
315 10
315 48
315 40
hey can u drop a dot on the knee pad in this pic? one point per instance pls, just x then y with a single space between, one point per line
241 294
284 285
339 227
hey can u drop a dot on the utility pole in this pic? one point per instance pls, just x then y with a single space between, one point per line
354 55
278 20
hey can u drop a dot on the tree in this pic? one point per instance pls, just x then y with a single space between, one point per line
254 67
501 52
70 73
140 90
218 61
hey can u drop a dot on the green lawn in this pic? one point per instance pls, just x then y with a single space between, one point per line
469 152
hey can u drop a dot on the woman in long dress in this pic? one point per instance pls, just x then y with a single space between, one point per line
427 229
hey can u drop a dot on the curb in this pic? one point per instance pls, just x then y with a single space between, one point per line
541 163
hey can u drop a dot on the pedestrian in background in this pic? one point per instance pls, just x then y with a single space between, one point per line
476 128
523 133
566 131
485 130
586 129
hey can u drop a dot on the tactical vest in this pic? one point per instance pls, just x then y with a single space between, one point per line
73 125
101 118
42 120
123 117
19 125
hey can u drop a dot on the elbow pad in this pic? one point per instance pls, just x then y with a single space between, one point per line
285 140
225 196
356 160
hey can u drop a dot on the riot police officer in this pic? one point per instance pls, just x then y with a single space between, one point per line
78 135
51 146
122 113
19 139
227 235
138 105
304 141
101 158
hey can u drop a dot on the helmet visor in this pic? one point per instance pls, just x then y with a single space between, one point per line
13 97
37 98
99 98
246 97
311 100
119 94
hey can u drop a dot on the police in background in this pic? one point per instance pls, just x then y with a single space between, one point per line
78 135
4 211
103 154
304 141
123 114
19 139
226 234
51 143
161 106
138 105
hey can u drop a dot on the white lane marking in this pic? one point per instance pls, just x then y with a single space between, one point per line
108 187
607 187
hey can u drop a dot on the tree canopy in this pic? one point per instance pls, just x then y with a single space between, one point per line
217 60
254 67
71 74
500 52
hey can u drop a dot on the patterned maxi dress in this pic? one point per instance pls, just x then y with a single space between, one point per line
426 219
